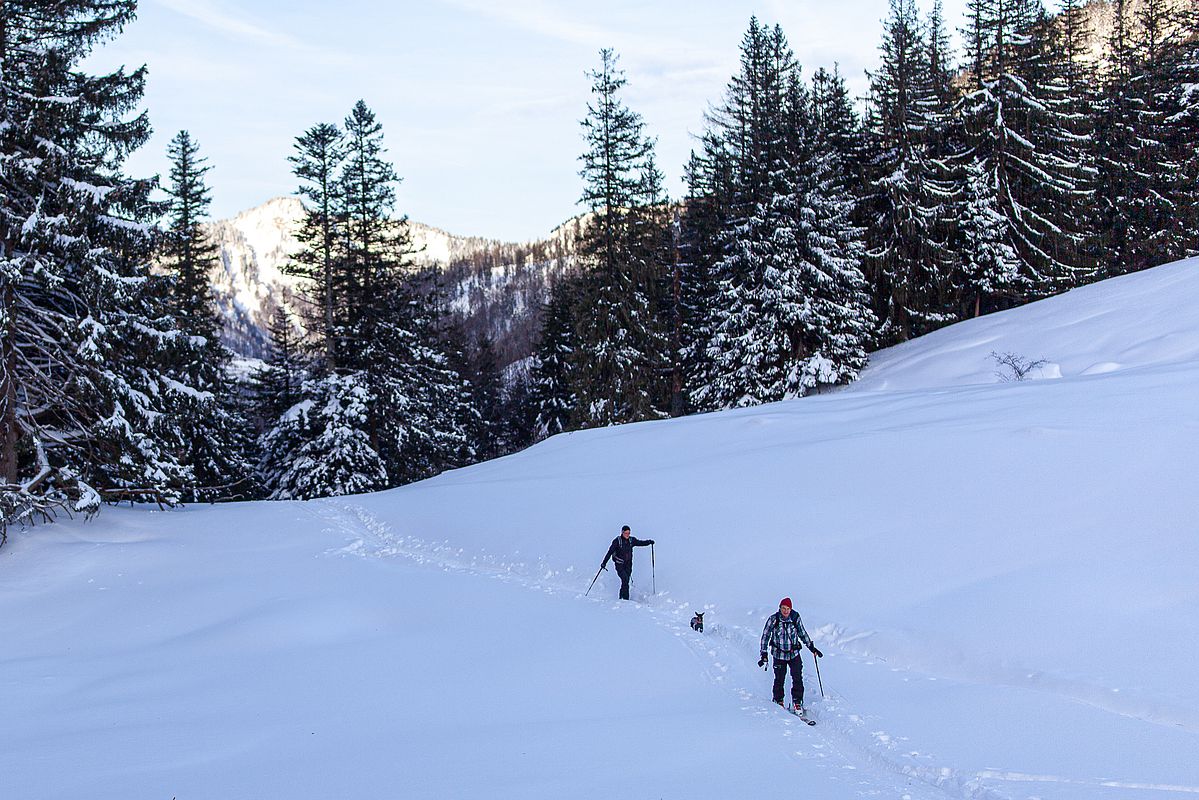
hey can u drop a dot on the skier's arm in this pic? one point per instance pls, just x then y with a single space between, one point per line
641 542
807 640
766 635
803 633
611 550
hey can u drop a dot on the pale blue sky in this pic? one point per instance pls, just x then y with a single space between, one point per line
480 99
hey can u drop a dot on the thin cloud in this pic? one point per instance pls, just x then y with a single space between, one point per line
225 21
537 18
551 21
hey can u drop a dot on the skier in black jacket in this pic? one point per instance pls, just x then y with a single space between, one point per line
621 553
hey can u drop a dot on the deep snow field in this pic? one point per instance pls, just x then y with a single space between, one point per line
1004 578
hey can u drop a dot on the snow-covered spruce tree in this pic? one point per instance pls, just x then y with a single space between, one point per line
620 369
1141 182
839 326
792 311
944 139
1185 131
741 144
437 437
379 328
841 128
656 243
906 263
275 386
83 339
1060 126
216 440
320 446
703 220
489 421
1071 80
552 398
1016 132
1163 89
393 319
989 263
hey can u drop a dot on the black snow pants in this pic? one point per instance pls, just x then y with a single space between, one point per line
780 679
625 574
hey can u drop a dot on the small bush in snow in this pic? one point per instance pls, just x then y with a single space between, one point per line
1014 367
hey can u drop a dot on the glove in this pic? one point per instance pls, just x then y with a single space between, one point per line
762 661
815 652
604 567
651 541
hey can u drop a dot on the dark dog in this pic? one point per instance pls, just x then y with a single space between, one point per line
697 622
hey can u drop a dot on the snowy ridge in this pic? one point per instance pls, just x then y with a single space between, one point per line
256 245
250 284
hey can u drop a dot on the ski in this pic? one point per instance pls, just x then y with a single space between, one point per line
799 714
791 710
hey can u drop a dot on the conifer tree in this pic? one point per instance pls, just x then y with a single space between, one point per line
906 259
1142 129
620 371
947 151
990 265
1016 133
320 447
384 388
793 314
552 383
485 421
393 319
275 386
834 115
1061 129
1185 130
703 220
187 252
215 439
317 162
84 338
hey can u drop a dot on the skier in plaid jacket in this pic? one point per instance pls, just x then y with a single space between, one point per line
784 638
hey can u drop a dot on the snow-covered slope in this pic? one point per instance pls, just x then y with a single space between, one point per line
1146 319
249 283
1001 575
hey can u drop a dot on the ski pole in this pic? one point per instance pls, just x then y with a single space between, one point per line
819 682
653 569
593 580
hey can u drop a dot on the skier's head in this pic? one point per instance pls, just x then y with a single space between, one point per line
626 531
785 606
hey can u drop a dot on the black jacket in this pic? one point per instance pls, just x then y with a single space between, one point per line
621 552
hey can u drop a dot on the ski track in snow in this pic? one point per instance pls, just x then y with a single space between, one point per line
844 738
958 667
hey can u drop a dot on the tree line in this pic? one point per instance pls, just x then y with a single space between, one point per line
813 230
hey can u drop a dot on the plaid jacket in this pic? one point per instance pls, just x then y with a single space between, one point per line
784 638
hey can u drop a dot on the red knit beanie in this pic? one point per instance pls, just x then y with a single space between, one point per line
786 601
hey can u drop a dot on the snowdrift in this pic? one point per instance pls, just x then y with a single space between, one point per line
1002 576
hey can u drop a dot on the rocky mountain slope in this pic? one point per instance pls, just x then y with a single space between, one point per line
494 288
